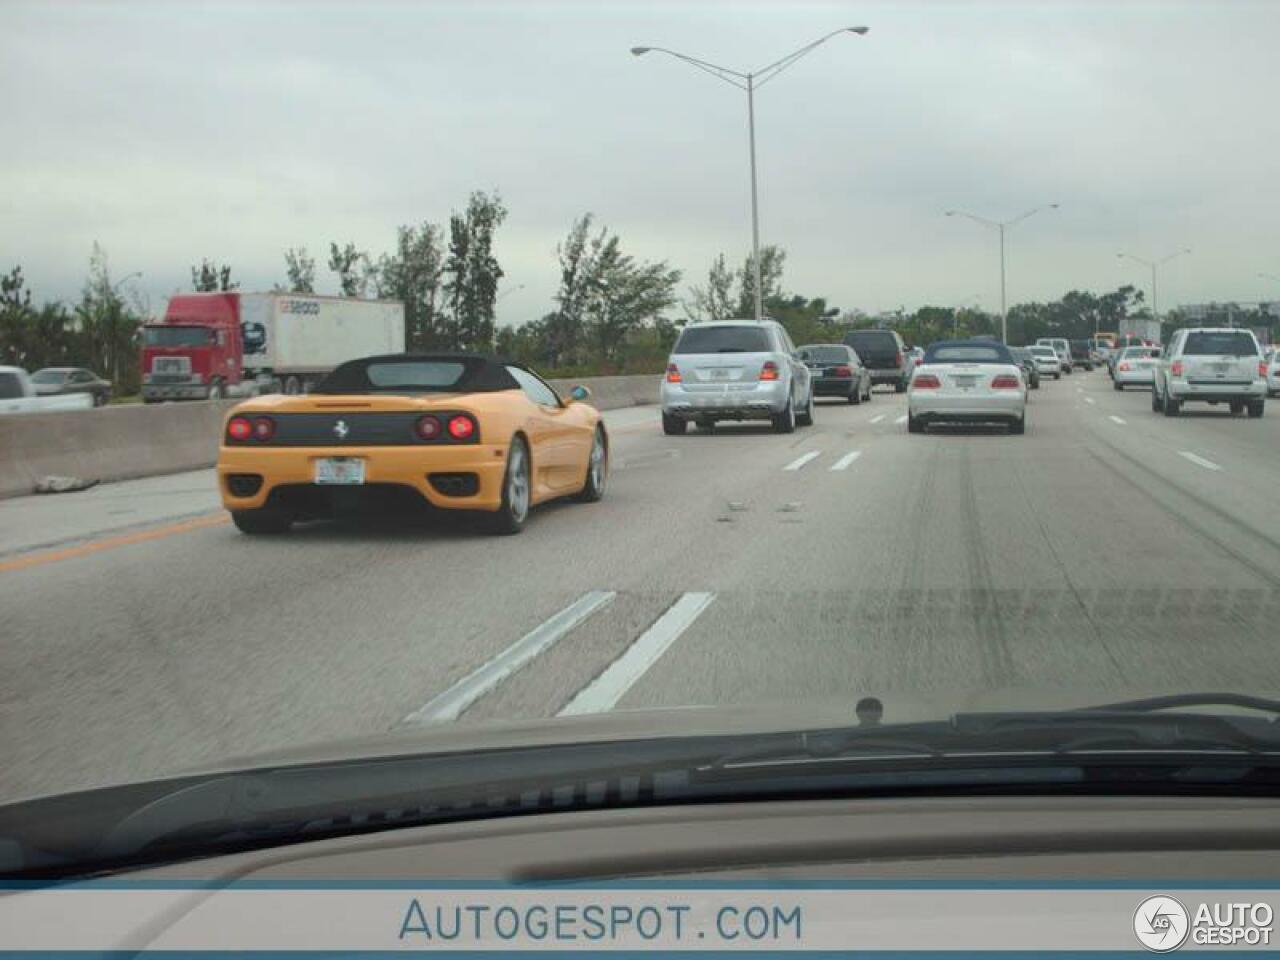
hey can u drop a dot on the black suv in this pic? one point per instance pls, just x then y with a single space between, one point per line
1081 354
884 355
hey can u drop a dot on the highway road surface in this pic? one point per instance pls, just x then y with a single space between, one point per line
1109 551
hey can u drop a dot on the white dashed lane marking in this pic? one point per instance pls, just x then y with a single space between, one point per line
1198 460
604 692
1120 420
1089 400
848 458
799 462
901 419
877 418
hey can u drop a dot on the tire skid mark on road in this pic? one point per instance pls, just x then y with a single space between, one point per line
603 693
1181 516
41 557
997 662
450 704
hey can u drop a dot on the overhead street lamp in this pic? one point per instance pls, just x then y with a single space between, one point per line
750 82
1153 265
1000 226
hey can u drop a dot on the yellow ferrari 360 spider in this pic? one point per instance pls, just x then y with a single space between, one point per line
460 431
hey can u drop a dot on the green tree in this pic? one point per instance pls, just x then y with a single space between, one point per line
715 301
109 327
413 274
772 260
472 272
300 269
347 263
211 278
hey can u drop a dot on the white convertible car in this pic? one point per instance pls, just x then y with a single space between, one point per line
967 381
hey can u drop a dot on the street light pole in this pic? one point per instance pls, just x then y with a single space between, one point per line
1000 226
1153 265
750 82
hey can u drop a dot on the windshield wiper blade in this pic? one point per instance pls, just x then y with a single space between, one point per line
1175 700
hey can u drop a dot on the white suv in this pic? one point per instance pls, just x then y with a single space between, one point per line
1213 365
736 370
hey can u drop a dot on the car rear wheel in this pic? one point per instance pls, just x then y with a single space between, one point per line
855 395
785 422
597 470
914 424
673 426
1255 408
1018 427
99 399
706 426
263 521
900 387
805 417
216 390
1237 408
1117 386
1171 406
1155 398
514 510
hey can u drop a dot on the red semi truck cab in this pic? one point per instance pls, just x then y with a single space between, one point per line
196 352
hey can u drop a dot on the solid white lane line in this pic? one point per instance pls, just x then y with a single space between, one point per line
1199 461
603 693
1114 419
877 418
1088 400
848 458
799 462
901 419
450 704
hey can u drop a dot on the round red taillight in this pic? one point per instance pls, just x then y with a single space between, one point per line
239 428
427 428
264 428
461 428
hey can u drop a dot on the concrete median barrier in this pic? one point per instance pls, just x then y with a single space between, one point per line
127 441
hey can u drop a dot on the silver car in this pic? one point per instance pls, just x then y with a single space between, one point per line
1212 365
1273 372
736 370
1135 367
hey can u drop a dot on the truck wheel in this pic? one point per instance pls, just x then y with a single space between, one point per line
1255 408
263 521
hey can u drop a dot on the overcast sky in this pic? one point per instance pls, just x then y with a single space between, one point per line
173 131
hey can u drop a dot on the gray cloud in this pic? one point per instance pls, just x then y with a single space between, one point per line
172 131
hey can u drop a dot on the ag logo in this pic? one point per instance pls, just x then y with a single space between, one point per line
340 429
1161 923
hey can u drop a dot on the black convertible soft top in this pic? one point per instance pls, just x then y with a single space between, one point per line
420 373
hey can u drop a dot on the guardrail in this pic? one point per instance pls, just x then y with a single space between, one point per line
127 441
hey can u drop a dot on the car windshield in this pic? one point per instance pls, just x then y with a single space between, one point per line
176 336
825 354
967 354
723 339
459 377
1223 343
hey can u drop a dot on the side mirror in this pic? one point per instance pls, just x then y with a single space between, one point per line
580 394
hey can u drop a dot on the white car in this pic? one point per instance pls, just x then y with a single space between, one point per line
1135 367
18 395
967 381
1273 372
1061 347
1211 365
1048 363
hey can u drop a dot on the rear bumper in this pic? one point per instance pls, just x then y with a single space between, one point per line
888 375
292 469
755 401
175 391
1184 391
937 407
1135 377
833 387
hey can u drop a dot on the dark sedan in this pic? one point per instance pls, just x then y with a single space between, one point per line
52 381
837 371
1028 364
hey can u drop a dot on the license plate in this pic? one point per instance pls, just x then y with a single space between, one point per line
719 374
966 382
344 471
